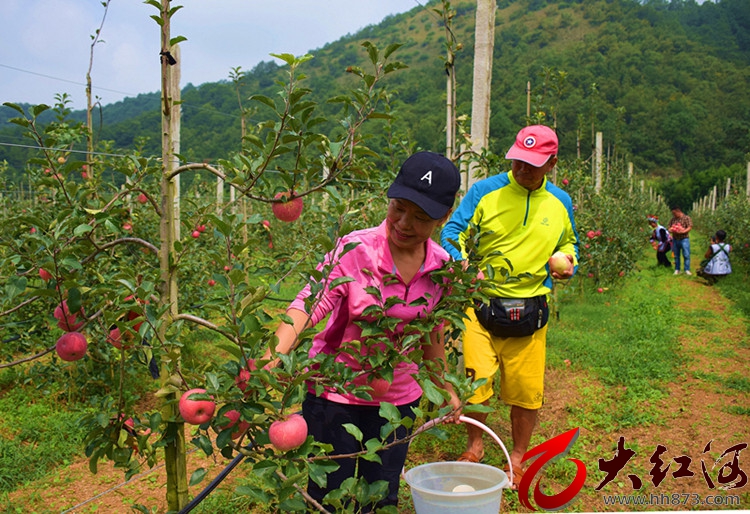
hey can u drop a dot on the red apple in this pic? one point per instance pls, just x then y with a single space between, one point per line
227 268
142 198
211 282
44 274
234 421
32 230
65 319
127 226
115 338
559 263
565 182
71 346
200 228
241 379
380 386
289 209
600 290
196 412
196 234
288 434
266 224
120 339
591 234
129 426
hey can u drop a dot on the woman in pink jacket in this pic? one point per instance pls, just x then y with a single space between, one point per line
391 261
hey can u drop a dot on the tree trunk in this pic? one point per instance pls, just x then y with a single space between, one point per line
174 452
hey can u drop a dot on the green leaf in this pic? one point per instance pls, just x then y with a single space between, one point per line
23 122
39 109
178 39
82 229
354 431
287 58
14 286
264 100
71 263
389 412
13 106
197 476
204 443
390 49
432 392
341 280
319 471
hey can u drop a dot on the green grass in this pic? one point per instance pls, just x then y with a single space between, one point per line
621 339
37 436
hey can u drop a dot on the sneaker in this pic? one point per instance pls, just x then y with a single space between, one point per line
676 272
687 272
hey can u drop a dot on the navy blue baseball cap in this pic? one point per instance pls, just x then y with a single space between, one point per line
430 180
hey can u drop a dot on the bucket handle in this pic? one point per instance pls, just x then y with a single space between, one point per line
471 421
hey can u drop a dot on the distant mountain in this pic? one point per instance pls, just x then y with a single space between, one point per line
666 83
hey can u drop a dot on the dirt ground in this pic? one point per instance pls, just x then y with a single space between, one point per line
695 410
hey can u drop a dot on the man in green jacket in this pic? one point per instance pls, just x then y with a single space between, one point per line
522 217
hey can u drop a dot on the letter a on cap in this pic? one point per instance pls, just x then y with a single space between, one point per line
428 177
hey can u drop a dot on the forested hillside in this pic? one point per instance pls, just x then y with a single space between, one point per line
665 82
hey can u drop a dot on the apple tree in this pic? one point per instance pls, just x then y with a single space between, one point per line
106 251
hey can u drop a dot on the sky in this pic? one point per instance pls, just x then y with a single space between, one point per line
45 45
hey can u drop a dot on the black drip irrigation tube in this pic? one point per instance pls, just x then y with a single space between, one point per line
214 483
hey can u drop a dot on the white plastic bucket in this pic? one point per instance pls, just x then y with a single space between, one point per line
432 487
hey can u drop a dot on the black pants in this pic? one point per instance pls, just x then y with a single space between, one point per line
662 259
325 420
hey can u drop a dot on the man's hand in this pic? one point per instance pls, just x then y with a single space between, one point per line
561 266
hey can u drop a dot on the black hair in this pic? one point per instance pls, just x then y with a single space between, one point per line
720 235
675 208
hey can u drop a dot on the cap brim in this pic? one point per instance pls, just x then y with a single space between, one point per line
434 210
533 158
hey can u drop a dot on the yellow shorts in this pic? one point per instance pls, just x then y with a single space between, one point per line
521 361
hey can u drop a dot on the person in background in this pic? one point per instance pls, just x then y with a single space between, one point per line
396 258
523 217
718 264
680 226
661 241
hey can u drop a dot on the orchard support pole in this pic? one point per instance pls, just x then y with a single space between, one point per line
175 449
598 163
630 178
174 133
484 42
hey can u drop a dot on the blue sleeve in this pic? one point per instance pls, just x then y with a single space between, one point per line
459 223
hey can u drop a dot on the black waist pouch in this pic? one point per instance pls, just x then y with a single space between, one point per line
513 317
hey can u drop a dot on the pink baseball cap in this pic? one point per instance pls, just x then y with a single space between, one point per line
534 145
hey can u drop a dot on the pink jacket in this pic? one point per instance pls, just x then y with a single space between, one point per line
370 264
